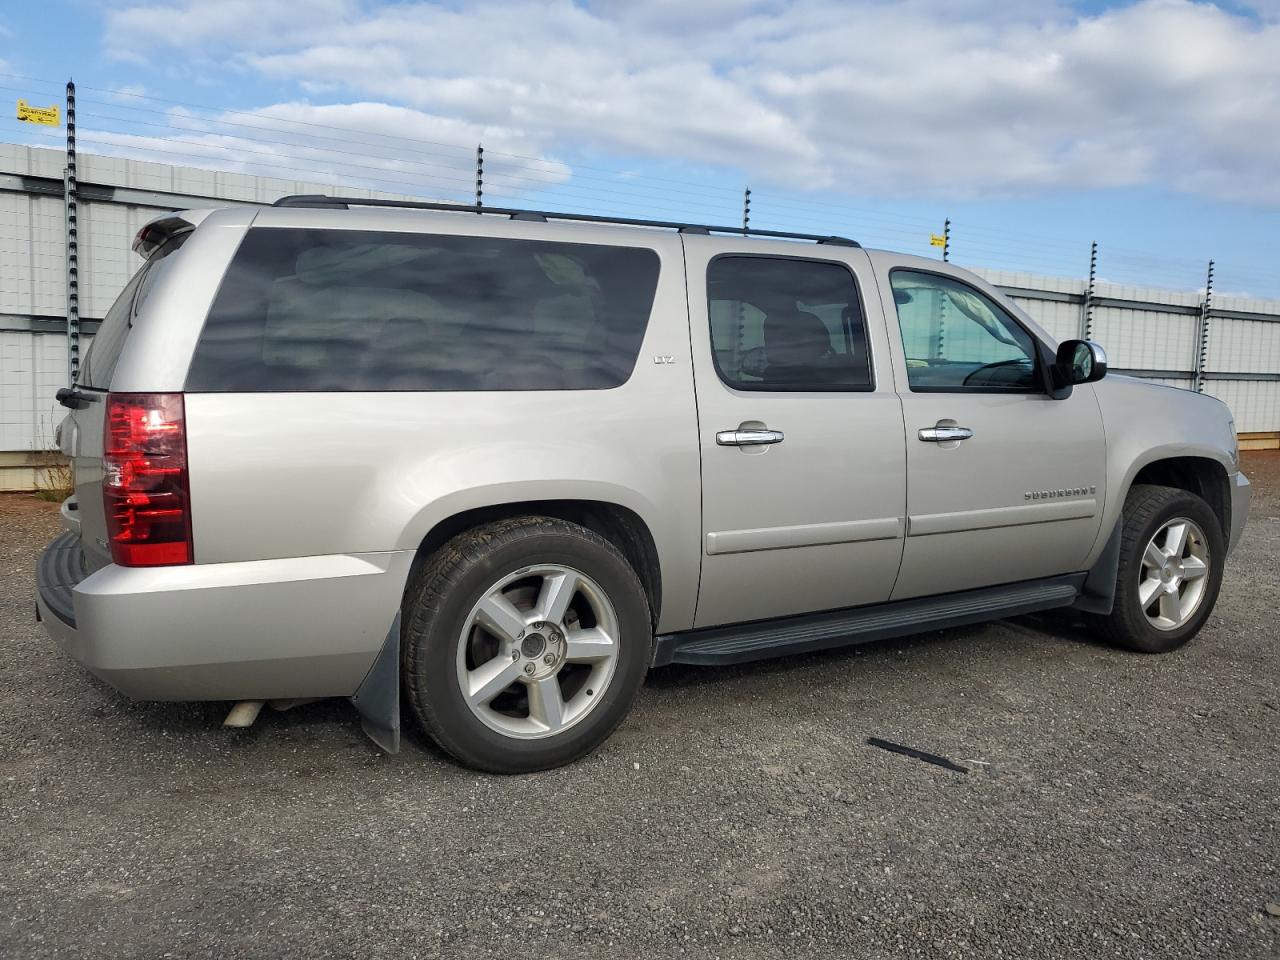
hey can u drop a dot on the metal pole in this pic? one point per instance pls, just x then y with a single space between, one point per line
739 342
1206 308
1087 331
70 197
479 178
941 329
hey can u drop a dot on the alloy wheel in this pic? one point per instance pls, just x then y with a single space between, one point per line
537 651
1175 574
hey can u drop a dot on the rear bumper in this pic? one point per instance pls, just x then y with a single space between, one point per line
1241 494
263 629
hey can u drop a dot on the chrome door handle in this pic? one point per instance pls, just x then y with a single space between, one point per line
747 438
945 434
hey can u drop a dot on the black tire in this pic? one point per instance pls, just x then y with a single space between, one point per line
1146 509
441 596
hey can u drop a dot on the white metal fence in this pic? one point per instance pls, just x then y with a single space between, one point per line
1231 352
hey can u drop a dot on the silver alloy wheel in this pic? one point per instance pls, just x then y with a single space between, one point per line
1175 574
538 651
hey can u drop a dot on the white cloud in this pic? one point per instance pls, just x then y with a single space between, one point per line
134 28
972 97
382 147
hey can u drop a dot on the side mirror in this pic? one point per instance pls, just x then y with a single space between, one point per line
1080 361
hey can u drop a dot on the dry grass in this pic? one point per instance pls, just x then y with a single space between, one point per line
54 481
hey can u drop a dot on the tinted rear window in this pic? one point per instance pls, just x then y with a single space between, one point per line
104 351
782 323
335 310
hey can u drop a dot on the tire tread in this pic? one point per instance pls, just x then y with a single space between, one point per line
1143 505
438 577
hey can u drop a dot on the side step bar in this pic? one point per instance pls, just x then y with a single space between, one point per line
742 643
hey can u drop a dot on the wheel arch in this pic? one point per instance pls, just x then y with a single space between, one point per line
1205 477
620 525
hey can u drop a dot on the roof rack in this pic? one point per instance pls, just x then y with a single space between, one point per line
322 202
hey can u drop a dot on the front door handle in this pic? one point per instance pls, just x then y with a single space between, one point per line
945 434
748 437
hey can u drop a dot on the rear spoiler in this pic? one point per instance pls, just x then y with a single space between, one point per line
156 233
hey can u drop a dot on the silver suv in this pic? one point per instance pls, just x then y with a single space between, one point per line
505 463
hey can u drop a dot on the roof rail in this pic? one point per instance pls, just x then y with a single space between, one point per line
323 202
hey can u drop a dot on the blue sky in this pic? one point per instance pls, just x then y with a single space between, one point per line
1151 127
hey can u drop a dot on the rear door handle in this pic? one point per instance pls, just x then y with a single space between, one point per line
747 438
944 434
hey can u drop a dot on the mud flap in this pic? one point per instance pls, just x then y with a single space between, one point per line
378 699
1098 594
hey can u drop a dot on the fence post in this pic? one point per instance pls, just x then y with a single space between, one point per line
1086 327
940 329
1206 308
479 178
70 197
739 343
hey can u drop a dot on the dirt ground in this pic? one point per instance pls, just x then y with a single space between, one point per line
1262 467
1105 805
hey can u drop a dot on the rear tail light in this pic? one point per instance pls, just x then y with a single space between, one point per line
144 486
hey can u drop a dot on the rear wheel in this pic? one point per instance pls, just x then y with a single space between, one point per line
525 643
1171 558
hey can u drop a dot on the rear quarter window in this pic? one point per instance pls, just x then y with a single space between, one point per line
340 310
108 343
104 352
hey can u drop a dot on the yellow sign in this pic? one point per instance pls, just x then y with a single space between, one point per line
49 116
937 241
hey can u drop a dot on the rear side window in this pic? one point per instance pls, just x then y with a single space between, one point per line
104 352
338 310
782 323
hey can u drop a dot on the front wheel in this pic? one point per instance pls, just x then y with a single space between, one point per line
525 644
1172 552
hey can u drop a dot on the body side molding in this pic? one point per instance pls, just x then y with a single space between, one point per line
803 535
962 520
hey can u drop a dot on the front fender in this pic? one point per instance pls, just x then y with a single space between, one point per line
1146 423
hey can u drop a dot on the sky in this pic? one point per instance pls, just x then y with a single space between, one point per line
1152 127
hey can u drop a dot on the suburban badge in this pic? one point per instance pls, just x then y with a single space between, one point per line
1061 493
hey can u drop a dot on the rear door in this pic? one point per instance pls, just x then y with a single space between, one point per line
1005 483
803 469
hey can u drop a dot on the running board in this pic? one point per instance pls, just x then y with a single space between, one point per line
744 642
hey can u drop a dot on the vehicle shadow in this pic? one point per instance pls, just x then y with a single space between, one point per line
319 720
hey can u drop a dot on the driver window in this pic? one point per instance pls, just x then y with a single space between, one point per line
957 338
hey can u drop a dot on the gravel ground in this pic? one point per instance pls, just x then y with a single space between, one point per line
1114 805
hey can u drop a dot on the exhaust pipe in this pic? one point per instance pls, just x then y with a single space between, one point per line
243 713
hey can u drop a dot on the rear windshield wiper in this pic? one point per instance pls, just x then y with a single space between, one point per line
75 398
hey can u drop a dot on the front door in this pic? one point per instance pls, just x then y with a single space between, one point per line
1004 482
803 468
